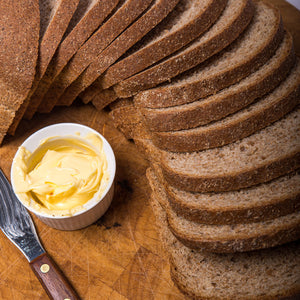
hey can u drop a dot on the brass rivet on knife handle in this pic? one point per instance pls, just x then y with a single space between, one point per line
54 282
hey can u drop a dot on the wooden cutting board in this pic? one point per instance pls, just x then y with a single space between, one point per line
120 256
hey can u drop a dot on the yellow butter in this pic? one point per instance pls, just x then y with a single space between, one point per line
62 174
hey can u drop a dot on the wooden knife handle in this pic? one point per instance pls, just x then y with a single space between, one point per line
53 280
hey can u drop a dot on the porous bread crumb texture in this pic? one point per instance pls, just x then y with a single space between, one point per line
187 21
228 100
237 61
256 116
47 11
225 30
231 237
280 139
261 274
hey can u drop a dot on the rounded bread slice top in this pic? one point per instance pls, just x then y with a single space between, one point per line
228 100
237 61
263 156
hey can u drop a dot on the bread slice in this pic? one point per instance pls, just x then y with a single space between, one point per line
262 202
231 237
234 127
188 21
227 101
55 18
262 274
250 51
86 19
126 12
261 157
20 24
153 16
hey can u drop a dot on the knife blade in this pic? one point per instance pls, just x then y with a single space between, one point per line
17 225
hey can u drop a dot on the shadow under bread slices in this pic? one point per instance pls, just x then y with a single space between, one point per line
228 100
261 274
254 47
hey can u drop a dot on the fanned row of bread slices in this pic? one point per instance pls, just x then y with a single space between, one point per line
209 91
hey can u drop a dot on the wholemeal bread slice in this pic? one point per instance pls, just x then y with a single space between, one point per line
188 21
86 19
227 101
155 14
234 127
251 50
261 157
126 12
262 274
266 22
266 201
20 25
55 18
227 238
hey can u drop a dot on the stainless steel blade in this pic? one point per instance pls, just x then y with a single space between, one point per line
16 222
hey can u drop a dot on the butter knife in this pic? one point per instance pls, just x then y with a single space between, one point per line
17 225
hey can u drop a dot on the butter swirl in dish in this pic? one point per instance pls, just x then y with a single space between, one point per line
64 174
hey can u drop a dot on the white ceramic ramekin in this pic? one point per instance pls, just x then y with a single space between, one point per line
94 208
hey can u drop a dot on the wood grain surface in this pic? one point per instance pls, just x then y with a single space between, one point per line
120 256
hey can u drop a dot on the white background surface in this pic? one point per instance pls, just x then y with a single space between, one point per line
296 3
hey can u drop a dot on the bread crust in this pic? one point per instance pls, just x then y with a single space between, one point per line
220 105
175 65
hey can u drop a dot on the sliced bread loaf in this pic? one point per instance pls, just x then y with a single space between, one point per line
20 24
262 274
227 101
126 12
266 201
251 50
153 16
227 238
261 157
234 127
55 18
188 21
86 19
